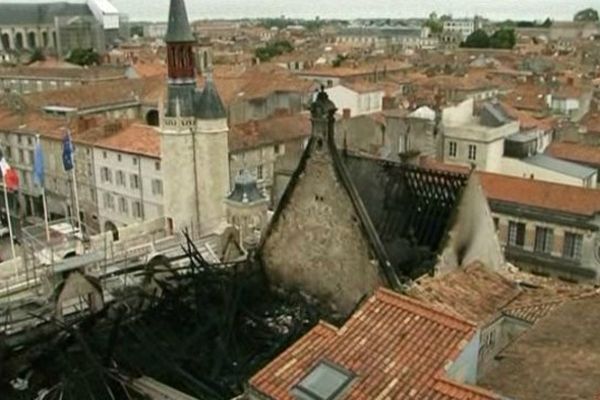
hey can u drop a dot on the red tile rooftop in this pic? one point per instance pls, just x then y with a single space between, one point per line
576 152
396 347
545 195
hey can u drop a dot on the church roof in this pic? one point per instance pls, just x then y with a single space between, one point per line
179 29
245 190
410 207
208 103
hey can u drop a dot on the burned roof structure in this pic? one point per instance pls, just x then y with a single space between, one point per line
197 331
410 207
348 224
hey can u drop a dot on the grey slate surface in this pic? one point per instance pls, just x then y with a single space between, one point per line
179 30
564 167
43 13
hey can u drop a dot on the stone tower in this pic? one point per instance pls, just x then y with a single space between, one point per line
195 156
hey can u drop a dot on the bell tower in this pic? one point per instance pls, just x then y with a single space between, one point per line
194 132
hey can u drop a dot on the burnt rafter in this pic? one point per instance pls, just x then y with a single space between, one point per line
410 206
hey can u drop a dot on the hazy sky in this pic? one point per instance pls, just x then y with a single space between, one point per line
494 9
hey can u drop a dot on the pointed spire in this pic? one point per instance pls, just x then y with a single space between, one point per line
179 30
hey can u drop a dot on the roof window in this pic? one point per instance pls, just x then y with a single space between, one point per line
326 381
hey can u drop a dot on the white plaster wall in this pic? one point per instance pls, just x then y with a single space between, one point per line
458 115
344 98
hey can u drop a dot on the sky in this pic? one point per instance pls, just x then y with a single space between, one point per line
156 10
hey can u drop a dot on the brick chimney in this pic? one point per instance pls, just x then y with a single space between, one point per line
346 113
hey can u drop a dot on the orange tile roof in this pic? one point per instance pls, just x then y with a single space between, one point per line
546 195
398 348
576 152
527 121
476 292
136 138
268 131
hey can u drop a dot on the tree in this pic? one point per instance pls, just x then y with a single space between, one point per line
589 14
436 26
84 57
273 49
477 40
547 23
503 39
37 55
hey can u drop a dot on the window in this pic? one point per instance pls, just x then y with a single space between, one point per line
157 165
452 149
496 223
472 152
259 172
136 207
544 240
21 156
19 139
120 178
30 154
8 152
135 181
325 382
123 205
104 155
516 234
573 245
93 195
119 158
109 201
29 141
135 161
157 187
106 175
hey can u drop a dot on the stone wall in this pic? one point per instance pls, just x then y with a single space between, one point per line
316 243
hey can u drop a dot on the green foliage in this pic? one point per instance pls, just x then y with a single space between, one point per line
279 23
137 30
589 14
477 40
547 23
339 60
273 49
84 57
436 26
503 39
37 55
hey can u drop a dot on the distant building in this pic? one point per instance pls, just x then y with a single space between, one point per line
357 98
547 228
57 28
388 38
463 27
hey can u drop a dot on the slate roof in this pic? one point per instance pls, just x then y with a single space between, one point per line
178 30
399 348
563 167
245 189
410 208
41 13
556 359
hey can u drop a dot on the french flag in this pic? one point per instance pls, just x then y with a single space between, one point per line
9 175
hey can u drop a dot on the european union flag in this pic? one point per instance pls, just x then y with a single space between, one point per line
38 164
68 150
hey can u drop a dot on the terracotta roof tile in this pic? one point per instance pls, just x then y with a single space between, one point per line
136 139
398 348
476 292
575 152
268 131
545 195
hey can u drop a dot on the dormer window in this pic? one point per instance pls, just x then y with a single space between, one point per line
326 381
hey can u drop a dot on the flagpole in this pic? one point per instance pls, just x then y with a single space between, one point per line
45 204
74 178
10 231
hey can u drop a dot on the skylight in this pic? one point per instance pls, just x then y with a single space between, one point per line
325 382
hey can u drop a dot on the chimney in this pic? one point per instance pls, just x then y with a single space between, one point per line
346 113
570 81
